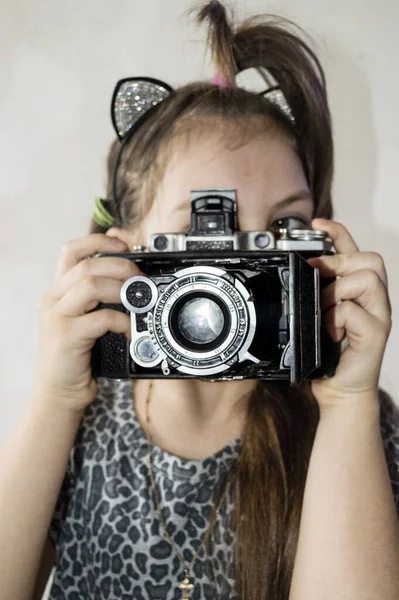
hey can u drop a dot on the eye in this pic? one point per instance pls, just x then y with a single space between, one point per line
290 222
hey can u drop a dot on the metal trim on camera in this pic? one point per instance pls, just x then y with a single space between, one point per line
213 227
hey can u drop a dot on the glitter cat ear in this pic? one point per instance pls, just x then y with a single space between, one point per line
260 81
133 99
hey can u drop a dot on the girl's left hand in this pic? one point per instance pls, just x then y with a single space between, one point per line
356 305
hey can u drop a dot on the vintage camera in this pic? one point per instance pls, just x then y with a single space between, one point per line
219 304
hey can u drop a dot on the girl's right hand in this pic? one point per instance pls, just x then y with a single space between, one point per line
67 328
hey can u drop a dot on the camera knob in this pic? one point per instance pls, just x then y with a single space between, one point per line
284 233
146 350
161 242
139 294
308 235
262 240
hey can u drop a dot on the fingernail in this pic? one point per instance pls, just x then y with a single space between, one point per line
119 243
313 261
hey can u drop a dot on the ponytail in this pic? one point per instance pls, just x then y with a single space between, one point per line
276 45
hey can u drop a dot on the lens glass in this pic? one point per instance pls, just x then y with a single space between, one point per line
200 320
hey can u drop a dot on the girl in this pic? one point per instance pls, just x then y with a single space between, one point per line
191 489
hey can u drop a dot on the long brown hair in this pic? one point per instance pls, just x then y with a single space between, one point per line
281 420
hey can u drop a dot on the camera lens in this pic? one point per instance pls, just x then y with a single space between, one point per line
203 321
200 320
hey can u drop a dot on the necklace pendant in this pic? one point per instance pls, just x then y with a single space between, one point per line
186 588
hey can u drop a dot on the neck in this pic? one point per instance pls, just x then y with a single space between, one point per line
192 418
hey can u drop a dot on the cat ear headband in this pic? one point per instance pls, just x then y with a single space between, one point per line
135 98
133 101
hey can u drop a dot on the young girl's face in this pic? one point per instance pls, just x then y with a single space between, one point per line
265 172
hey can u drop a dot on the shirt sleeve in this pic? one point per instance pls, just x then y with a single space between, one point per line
389 421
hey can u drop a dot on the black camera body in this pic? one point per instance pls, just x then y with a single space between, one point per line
221 304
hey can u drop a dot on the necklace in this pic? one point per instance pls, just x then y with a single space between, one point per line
186 586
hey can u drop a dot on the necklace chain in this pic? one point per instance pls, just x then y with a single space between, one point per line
186 586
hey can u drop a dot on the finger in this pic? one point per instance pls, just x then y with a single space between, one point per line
87 294
119 269
338 265
364 287
339 235
362 329
76 250
91 326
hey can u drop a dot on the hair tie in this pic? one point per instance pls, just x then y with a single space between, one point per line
222 83
101 215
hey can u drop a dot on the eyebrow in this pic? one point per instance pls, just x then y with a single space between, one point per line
302 195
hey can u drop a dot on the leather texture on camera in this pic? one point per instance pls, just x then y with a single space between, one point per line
303 338
305 328
110 354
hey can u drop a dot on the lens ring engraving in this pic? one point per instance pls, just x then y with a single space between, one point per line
209 281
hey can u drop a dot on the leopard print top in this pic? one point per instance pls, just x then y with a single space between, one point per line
105 528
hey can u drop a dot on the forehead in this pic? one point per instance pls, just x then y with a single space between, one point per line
264 170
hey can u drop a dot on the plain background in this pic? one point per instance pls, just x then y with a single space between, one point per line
59 64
